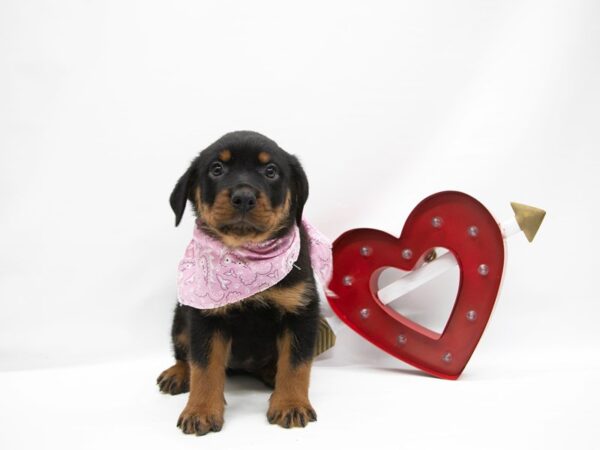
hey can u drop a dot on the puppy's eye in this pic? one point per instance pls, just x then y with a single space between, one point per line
216 169
271 171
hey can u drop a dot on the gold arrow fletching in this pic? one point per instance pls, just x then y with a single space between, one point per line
325 337
529 219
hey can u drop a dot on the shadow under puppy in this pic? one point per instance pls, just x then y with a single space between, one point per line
249 303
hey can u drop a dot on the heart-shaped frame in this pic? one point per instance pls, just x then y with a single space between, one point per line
452 220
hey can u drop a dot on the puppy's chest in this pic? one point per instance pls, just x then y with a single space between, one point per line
288 299
254 330
255 322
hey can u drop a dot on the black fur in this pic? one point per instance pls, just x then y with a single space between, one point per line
253 327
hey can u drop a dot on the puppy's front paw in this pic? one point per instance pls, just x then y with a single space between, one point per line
199 420
292 413
175 380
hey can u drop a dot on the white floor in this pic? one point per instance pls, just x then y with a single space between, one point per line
521 401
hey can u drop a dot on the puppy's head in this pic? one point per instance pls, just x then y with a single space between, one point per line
244 188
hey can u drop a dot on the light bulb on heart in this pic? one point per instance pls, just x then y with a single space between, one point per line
474 241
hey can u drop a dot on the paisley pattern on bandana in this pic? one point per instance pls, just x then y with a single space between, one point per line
211 274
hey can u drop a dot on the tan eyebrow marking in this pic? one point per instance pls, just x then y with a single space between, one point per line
264 157
225 155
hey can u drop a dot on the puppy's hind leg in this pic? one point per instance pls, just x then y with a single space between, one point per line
267 374
176 379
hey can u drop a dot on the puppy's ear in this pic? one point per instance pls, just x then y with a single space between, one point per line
180 193
299 187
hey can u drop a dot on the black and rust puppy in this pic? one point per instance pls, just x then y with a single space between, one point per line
245 188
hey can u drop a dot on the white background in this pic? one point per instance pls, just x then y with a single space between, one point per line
104 103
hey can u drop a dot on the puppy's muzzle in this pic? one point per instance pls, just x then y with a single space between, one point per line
243 199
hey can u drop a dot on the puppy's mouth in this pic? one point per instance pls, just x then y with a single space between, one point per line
241 226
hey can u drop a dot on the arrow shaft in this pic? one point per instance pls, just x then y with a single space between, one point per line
509 227
434 269
416 278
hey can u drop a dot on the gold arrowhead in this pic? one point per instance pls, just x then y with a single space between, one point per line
529 219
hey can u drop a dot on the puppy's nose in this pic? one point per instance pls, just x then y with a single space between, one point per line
243 199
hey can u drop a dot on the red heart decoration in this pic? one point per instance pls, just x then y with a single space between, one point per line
441 220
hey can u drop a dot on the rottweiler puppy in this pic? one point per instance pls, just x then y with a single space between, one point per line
245 189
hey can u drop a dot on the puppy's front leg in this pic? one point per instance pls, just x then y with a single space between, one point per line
209 351
289 405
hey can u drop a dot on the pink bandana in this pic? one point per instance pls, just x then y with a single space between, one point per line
212 275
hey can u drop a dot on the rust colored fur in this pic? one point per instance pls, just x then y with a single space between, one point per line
225 155
264 157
